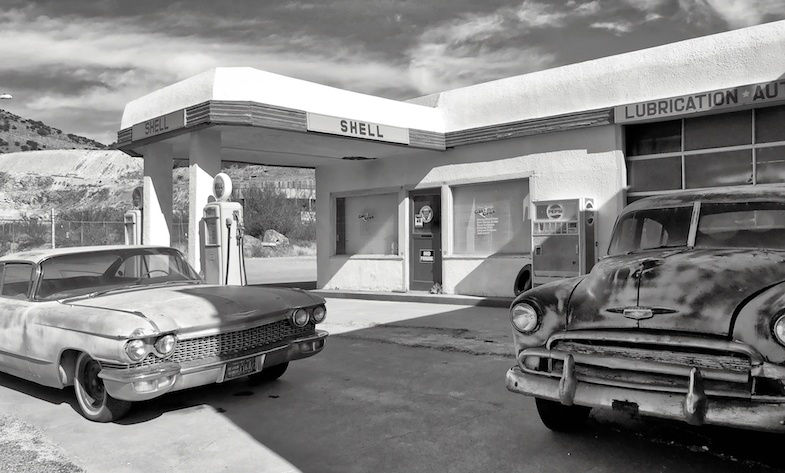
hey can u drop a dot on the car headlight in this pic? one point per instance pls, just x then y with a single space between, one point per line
165 345
319 314
524 317
779 329
300 318
136 349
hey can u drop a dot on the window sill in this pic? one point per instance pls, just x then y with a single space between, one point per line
367 257
488 256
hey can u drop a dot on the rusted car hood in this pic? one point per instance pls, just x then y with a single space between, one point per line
191 308
686 290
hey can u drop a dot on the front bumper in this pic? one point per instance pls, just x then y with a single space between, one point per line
694 407
148 382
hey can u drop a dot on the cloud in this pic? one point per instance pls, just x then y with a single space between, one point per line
101 64
618 27
741 13
734 13
534 14
479 48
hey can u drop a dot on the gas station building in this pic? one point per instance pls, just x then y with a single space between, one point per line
467 187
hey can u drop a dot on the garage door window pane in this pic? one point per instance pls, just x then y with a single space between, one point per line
770 165
489 218
654 174
717 131
369 225
731 168
770 124
653 138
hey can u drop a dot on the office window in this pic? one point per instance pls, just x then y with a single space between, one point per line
492 218
367 225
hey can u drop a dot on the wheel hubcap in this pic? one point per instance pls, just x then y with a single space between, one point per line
93 385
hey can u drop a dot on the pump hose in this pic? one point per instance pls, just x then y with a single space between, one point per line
228 249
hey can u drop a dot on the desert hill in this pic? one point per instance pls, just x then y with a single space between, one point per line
22 134
32 183
43 168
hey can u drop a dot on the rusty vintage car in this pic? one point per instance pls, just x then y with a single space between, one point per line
684 319
130 323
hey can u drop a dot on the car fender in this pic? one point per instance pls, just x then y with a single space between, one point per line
755 319
551 300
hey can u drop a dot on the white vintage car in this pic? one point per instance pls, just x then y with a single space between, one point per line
130 323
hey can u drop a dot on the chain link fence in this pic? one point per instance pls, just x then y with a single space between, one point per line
34 233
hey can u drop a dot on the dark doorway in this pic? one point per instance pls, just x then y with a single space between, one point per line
425 257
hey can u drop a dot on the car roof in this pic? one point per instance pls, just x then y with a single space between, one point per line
36 256
760 193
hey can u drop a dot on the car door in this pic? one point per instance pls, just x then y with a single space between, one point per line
15 285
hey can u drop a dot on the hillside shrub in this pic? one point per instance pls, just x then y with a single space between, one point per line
266 209
29 233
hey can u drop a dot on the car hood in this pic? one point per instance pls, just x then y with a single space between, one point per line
199 308
687 290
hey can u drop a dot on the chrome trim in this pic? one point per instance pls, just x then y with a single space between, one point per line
655 339
615 363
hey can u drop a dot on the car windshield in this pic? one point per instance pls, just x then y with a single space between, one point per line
102 271
651 228
742 225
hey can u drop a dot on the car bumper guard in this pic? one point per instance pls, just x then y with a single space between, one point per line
694 407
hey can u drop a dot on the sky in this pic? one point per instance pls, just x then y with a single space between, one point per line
75 64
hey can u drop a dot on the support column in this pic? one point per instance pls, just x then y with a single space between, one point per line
204 160
157 211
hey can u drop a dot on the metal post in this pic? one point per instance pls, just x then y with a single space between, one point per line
53 228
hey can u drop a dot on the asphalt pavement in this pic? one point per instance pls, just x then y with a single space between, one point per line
401 386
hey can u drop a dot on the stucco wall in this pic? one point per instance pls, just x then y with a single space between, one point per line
577 163
248 84
739 57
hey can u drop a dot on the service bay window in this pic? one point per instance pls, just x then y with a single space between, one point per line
727 149
488 218
367 225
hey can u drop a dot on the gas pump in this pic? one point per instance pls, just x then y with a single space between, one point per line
563 239
222 237
132 220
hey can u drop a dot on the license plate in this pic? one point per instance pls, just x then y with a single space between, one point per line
237 368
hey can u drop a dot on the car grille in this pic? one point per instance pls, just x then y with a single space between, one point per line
229 344
611 359
722 361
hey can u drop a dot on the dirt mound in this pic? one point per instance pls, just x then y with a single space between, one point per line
34 182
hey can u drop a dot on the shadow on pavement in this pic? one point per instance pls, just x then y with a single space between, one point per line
428 394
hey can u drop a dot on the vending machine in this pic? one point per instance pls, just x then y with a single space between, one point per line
132 220
564 242
222 237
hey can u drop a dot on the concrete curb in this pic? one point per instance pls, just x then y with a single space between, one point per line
417 297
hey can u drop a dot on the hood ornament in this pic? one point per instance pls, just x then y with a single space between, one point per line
640 313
